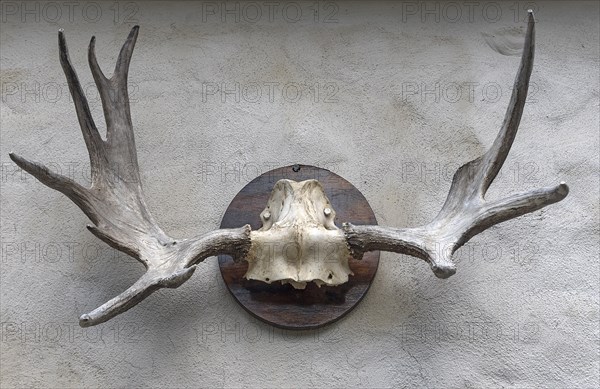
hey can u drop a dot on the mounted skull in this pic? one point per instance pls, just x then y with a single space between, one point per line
298 242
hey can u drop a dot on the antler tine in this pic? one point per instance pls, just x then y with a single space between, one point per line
120 140
114 90
465 212
513 206
55 181
472 180
137 292
122 65
496 155
183 260
94 143
476 176
92 138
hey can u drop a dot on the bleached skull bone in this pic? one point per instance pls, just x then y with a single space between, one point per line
298 241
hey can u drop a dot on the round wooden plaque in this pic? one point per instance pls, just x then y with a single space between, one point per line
282 305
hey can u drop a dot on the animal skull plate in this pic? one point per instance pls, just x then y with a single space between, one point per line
282 305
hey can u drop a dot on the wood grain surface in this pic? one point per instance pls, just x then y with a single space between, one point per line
282 305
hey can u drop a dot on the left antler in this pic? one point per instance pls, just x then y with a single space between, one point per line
466 213
115 201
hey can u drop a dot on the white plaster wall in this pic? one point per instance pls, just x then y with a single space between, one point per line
522 310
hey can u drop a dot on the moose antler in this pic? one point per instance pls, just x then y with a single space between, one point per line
466 213
115 201
296 213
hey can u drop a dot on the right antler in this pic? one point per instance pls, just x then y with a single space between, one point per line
115 201
466 213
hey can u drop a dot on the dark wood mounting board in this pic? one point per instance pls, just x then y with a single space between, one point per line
282 305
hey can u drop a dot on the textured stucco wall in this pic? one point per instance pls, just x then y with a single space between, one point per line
406 93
